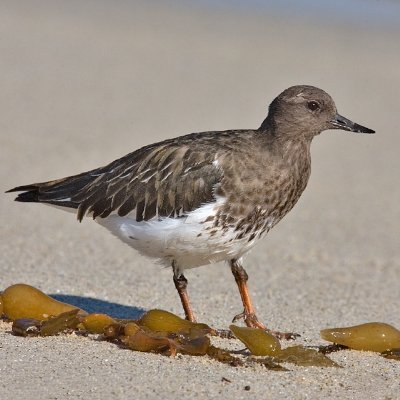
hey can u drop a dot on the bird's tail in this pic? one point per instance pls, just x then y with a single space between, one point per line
59 192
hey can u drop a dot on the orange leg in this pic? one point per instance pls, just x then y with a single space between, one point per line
248 313
181 285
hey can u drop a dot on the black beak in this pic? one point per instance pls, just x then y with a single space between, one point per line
340 122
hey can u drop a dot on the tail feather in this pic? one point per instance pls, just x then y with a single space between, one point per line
29 196
23 188
58 192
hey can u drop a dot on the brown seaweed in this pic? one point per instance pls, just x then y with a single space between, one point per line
162 332
25 301
258 341
164 321
372 336
393 354
53 326
96 323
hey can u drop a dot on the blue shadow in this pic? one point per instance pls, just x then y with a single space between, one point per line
92 305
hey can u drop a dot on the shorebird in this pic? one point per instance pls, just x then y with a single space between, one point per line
204 197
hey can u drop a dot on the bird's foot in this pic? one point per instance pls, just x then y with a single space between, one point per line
284 335
251 320
222 333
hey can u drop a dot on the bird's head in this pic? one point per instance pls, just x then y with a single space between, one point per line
307 111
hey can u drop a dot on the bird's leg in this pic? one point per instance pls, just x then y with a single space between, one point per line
248 313
181 285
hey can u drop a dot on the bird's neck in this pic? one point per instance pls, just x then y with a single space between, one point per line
283 130
292 153
295 149
286 146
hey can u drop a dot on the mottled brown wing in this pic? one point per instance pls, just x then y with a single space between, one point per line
165 180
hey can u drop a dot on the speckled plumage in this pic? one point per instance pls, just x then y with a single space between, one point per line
208 196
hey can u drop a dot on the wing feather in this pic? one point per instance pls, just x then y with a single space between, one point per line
166 179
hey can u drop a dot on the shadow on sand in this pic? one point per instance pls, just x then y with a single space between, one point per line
92 305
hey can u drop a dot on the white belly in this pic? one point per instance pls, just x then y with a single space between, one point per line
189 241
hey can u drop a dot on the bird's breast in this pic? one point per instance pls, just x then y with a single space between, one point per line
261 193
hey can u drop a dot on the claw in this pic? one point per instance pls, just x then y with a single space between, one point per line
238 317
252 321
223 333
284 335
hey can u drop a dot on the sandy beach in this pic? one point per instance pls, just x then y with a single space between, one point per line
83 83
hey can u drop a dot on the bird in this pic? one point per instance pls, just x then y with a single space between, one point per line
204 197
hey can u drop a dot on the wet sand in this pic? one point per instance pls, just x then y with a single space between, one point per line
83 84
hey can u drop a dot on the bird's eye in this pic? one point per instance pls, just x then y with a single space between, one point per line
313 105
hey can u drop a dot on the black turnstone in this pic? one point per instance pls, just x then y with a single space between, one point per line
204 197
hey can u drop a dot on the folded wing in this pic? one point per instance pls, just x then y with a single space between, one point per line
168 179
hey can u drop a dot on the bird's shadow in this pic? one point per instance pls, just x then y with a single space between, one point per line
92 305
